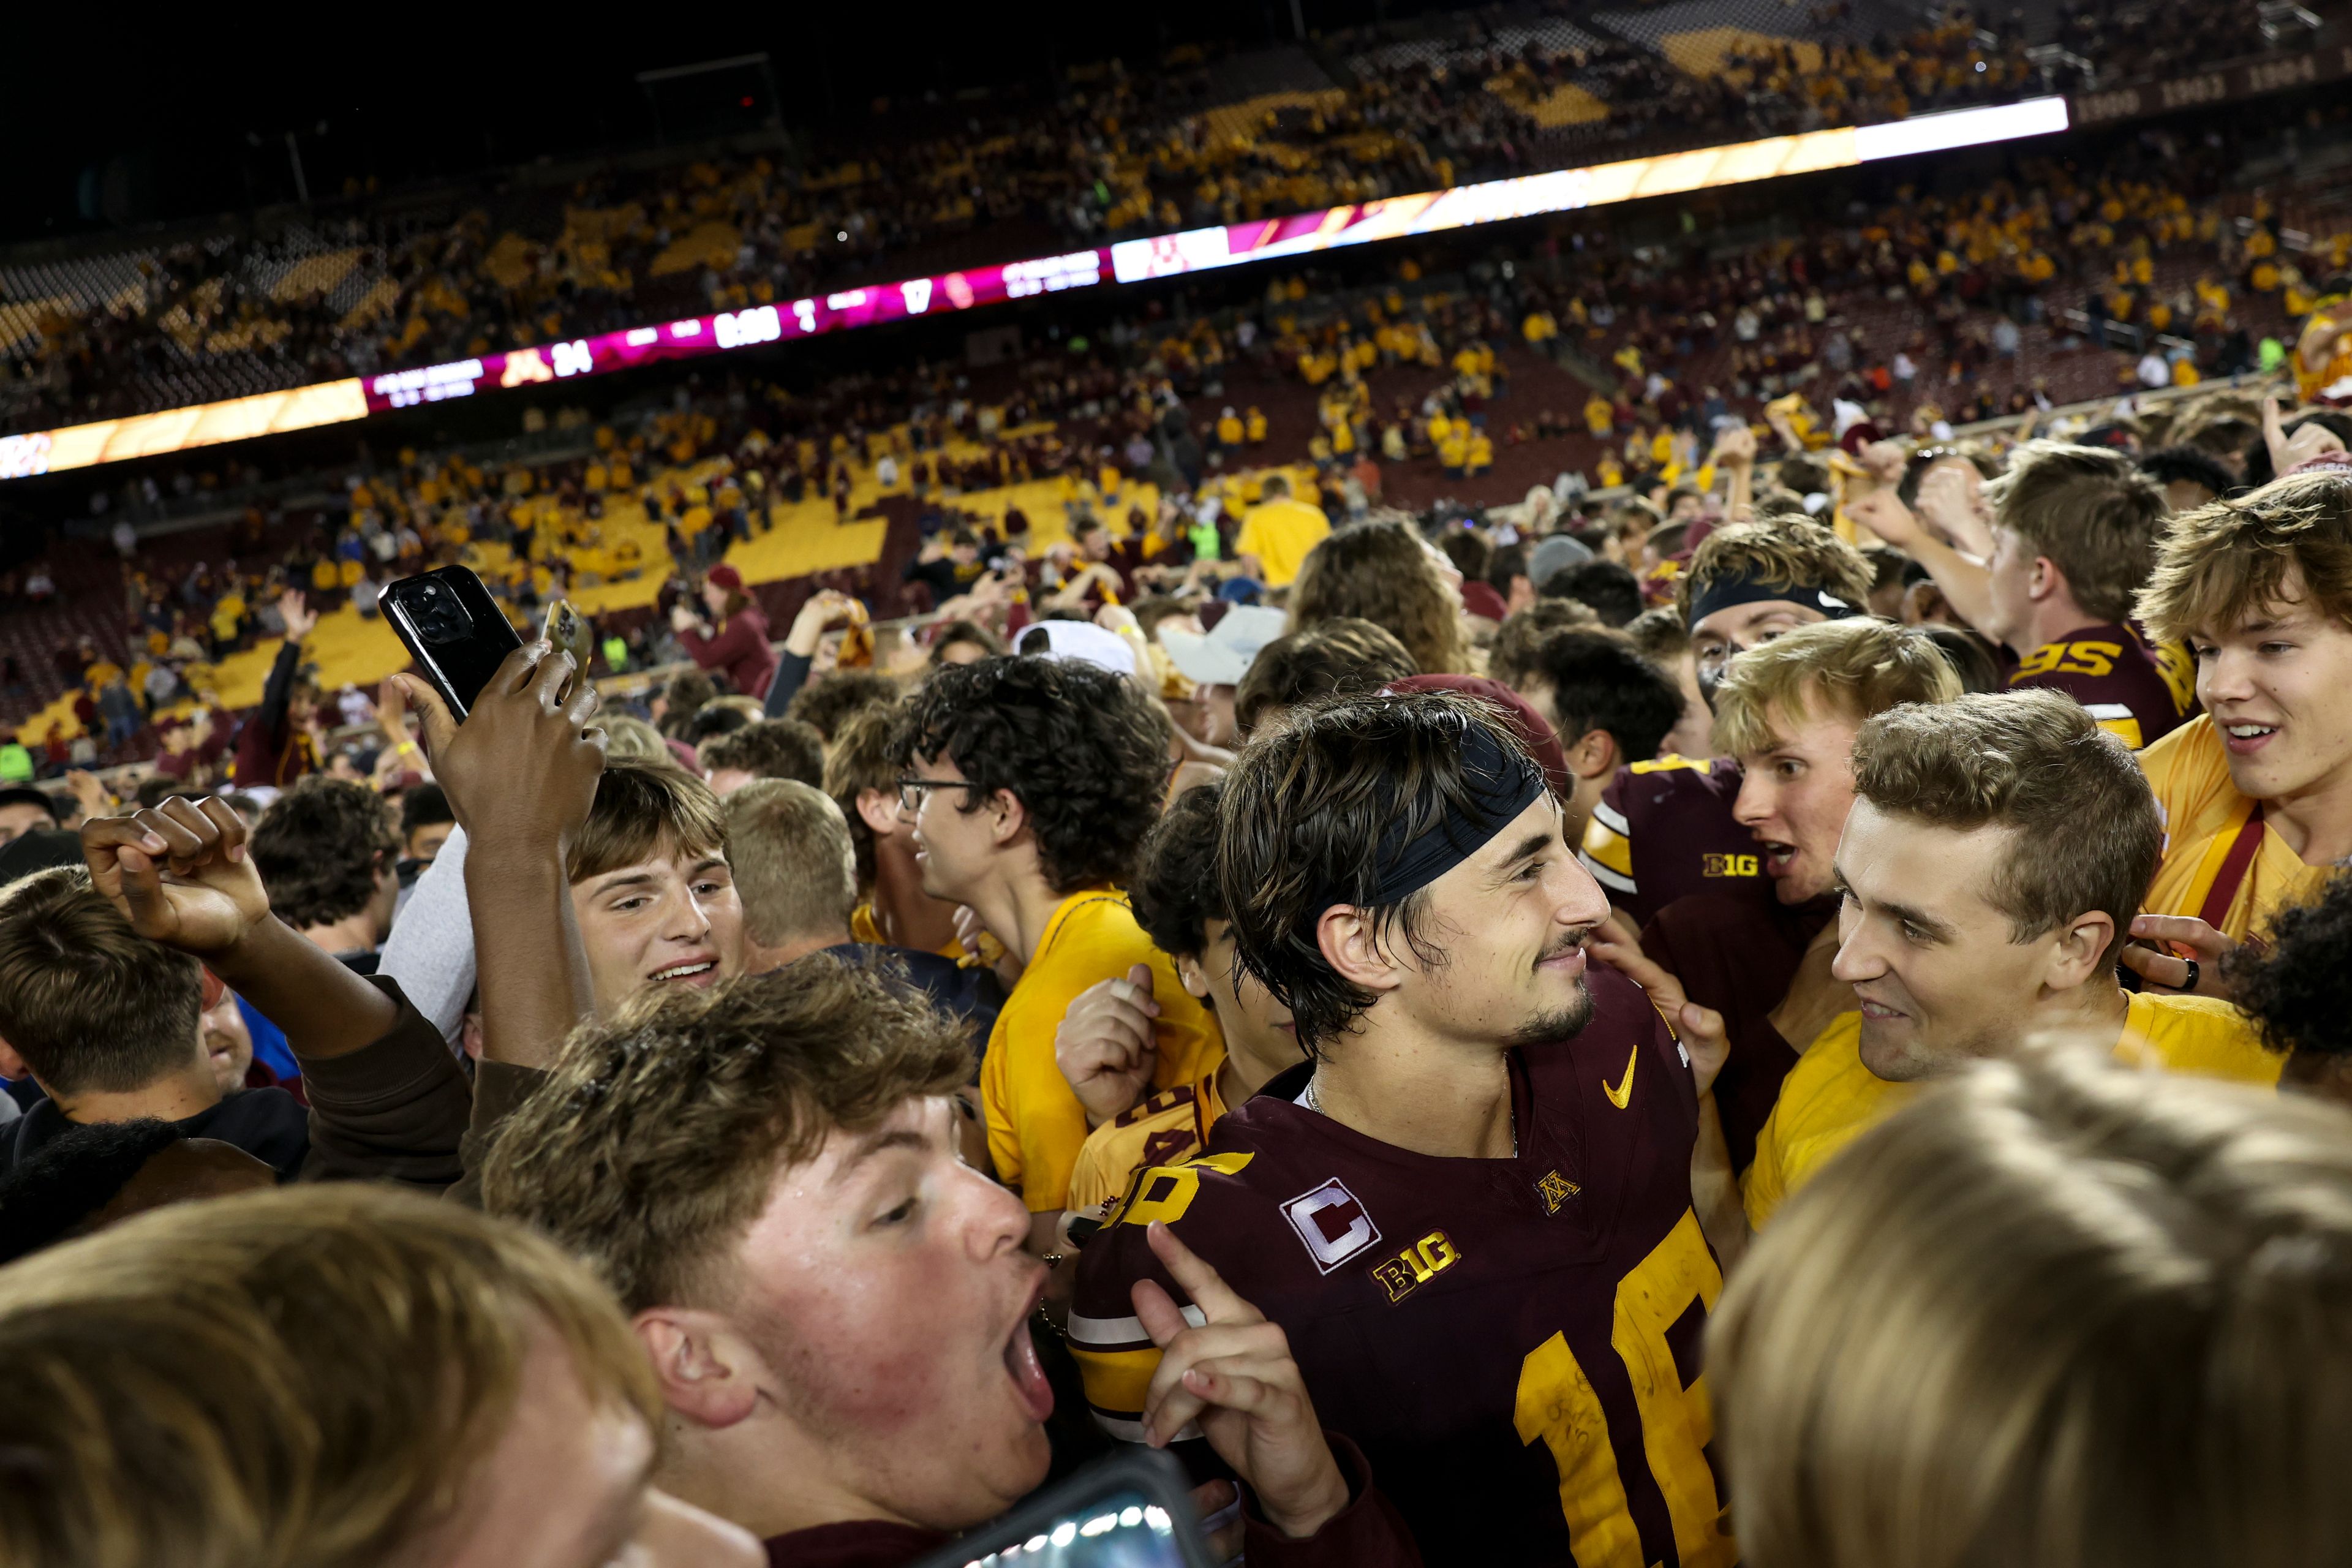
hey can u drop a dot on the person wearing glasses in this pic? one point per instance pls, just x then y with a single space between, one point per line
1029 785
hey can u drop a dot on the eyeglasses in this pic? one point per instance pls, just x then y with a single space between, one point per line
910 791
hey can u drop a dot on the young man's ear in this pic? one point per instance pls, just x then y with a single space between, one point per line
2080 943
1352 945
1194 978
708 1373
1592 754
11 1066
878 809
1009 819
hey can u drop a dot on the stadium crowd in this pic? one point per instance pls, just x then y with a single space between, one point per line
1411 381
1116 154
1555 904
1522 1040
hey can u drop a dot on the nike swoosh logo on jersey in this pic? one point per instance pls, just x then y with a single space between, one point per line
1622 1094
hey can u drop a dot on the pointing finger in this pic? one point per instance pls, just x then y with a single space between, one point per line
1207 1287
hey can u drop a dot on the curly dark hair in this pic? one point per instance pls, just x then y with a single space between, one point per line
827 701
320 848
1301 809
2297 989
1175 893
1081 748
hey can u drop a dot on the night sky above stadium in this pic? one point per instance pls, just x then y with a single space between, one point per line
182 122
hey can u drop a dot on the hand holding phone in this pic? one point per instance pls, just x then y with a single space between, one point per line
520 771
453 629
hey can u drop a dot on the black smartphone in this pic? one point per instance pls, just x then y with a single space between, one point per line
453 629
1132 1508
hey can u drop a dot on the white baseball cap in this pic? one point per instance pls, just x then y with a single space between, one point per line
1082 642
1224 656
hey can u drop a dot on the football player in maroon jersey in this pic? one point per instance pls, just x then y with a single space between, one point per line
1663 828
1469 1210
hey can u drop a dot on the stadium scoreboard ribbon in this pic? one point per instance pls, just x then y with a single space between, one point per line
1125 262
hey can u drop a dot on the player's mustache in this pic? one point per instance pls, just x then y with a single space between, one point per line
1568 943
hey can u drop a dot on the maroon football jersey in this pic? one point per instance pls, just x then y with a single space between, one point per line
1737 956
2139 691
1663 830
1514 1343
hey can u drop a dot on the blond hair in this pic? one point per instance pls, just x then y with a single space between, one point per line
1786 553
297 1379
2227 563
2092 511
795 871
1856 667
2055 1314
2084 829
655 1142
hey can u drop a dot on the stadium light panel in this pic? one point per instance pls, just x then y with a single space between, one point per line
1125 262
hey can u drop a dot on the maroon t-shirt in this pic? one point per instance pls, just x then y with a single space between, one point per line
2140 691
1663 830
1513 1343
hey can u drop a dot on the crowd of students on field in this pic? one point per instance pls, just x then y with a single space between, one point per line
899 1064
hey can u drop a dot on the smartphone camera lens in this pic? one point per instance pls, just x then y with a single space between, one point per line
440 619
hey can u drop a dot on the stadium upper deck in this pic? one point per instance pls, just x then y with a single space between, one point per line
307 298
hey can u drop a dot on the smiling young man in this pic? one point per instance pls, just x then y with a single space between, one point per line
650 884
1995 848
2074 532
1664 827
837 1309
2257 791
1031 783
1470 1209
1104 1044
1788 713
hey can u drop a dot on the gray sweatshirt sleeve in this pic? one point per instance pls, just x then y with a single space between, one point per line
430 950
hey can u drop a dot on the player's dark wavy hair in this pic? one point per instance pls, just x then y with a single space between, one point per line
1082 750
1305 805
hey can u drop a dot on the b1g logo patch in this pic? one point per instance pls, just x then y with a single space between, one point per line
1733 866
1416 1265
1331 1223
